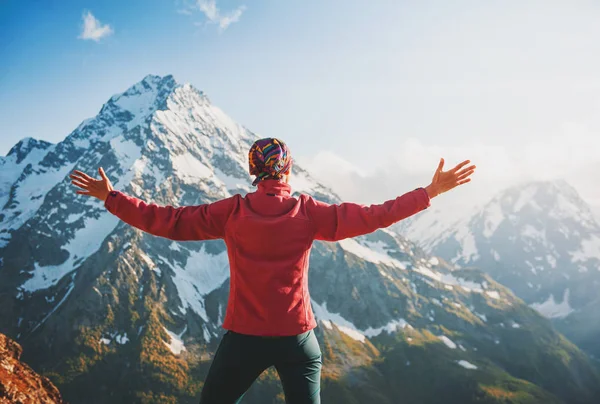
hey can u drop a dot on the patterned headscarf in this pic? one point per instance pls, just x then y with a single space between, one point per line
269 158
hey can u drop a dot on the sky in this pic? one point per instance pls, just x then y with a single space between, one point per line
379 90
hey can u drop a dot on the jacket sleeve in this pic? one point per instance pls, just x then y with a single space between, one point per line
201 222
337 222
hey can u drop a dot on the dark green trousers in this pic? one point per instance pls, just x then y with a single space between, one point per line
240 359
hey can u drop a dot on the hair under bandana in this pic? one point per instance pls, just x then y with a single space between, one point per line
269 158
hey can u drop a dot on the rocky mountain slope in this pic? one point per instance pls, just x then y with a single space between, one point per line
539 239
113 315
18 382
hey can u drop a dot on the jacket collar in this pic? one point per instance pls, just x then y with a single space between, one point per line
274 187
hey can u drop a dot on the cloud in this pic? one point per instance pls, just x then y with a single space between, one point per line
234 16
215 16
572 156
209 8
93 29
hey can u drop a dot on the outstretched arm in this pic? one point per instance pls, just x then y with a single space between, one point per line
337 222
201 222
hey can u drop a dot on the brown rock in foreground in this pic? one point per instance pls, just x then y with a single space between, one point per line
19 384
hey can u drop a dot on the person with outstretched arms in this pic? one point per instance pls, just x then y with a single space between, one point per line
269 234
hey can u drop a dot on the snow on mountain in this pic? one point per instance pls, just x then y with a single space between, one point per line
193 281
27 151
436 222
158 140
551 309
175 344
398 263
19 161
540 239
447 341
467 365
89 294
132 154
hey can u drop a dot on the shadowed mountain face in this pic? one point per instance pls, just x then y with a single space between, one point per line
111 314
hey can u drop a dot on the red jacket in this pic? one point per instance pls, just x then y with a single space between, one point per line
269 235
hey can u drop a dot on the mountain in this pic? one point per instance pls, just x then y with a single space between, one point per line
539 239
26 153
114 315
18 382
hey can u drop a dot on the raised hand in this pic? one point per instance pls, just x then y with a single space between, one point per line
444 181
91 186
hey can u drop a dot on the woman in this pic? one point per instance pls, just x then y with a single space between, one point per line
269 235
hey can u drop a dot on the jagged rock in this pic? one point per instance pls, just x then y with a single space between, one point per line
19 384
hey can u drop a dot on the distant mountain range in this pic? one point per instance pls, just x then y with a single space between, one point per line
113 315
539 239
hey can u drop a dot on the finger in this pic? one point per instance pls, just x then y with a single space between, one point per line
464 170
78 178
464 181
441 165
460 165
102 174
465 175
77 184
80 183
438 170
84 175
83 193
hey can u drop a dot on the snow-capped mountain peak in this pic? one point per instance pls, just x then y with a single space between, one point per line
539 238
157 140
551 199
19 161
144 97
21 150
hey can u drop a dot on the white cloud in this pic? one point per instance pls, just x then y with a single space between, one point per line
234 16
572 156
209 8
93 29
215 16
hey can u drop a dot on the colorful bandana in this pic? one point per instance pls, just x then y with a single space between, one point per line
269 158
